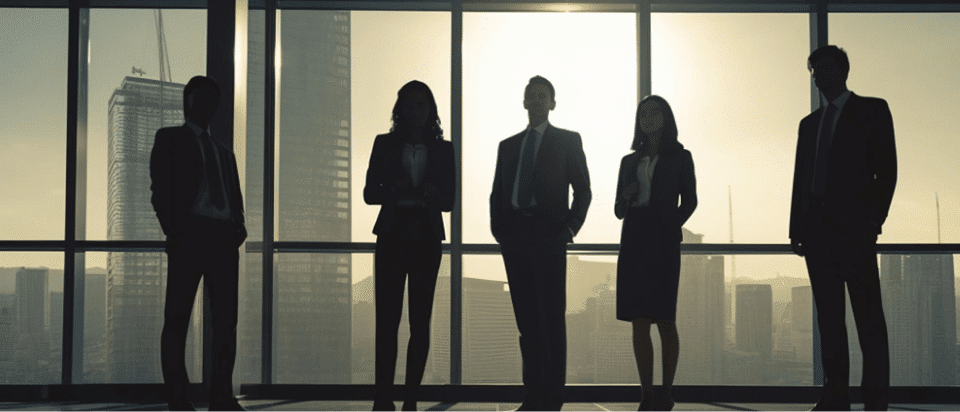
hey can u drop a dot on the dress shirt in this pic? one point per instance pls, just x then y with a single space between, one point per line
839 102
203 204
645 168
414 160
516 181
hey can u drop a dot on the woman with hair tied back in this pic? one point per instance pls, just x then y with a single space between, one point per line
411 176
652 179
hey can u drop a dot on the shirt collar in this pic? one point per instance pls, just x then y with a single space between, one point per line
196 128
540 128
839 102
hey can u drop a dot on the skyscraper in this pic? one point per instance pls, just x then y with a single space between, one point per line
801 304
136 281
33 360
919 304
755 319
312 322
700 314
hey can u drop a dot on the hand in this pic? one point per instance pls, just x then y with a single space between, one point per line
631 190
797 247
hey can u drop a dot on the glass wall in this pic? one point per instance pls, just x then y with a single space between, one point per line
738 85
33 118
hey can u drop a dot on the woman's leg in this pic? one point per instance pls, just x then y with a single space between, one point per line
423 283
643 350
670 343
389 277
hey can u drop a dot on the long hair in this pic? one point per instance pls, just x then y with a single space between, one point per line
668 134
433 120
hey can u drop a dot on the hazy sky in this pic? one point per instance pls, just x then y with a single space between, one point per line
737 83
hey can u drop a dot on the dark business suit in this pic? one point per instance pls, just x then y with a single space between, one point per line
648 265
838 233
533 244
408 241
196 246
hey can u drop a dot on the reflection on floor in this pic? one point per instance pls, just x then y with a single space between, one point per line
287 405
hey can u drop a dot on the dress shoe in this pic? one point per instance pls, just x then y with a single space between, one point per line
229 404
384 406
180 406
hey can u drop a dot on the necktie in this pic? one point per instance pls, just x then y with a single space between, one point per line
214 184
524 193
823 151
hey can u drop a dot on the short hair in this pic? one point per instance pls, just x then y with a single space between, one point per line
197 82
433 119
668 137
838 55
542 80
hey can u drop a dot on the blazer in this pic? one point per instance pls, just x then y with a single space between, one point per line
386 168
176 171
673 178
560 164
861 171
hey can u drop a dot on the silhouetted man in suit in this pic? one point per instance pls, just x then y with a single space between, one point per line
532 219
196 194
843 184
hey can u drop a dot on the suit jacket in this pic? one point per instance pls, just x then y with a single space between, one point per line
176 171
673 178
861 171
560 163
386 168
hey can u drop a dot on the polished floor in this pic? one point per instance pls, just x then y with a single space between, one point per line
288 405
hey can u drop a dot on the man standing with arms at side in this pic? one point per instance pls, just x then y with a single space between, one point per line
844 179
532 219
196 194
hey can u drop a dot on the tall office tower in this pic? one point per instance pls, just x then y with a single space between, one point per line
599 346
700 320
8 341
312 321
801 304
136 281
755 318
33 360
919 304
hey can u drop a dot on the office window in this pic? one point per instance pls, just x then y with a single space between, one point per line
127 103
591 60
33 113
123 302
339 76
738 86
31 318
910 60
325 328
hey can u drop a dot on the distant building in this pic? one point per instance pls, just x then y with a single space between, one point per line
312 321
801 324
755 319
919 302
700 317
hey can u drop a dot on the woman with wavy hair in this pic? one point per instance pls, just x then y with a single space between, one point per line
652 179
411 176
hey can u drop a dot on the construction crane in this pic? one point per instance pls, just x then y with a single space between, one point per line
164 60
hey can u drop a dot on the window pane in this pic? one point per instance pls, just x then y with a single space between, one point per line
910 60
124 112
31 318
340 75
325 321
124 296
738 86
33 110
249 339
596 95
